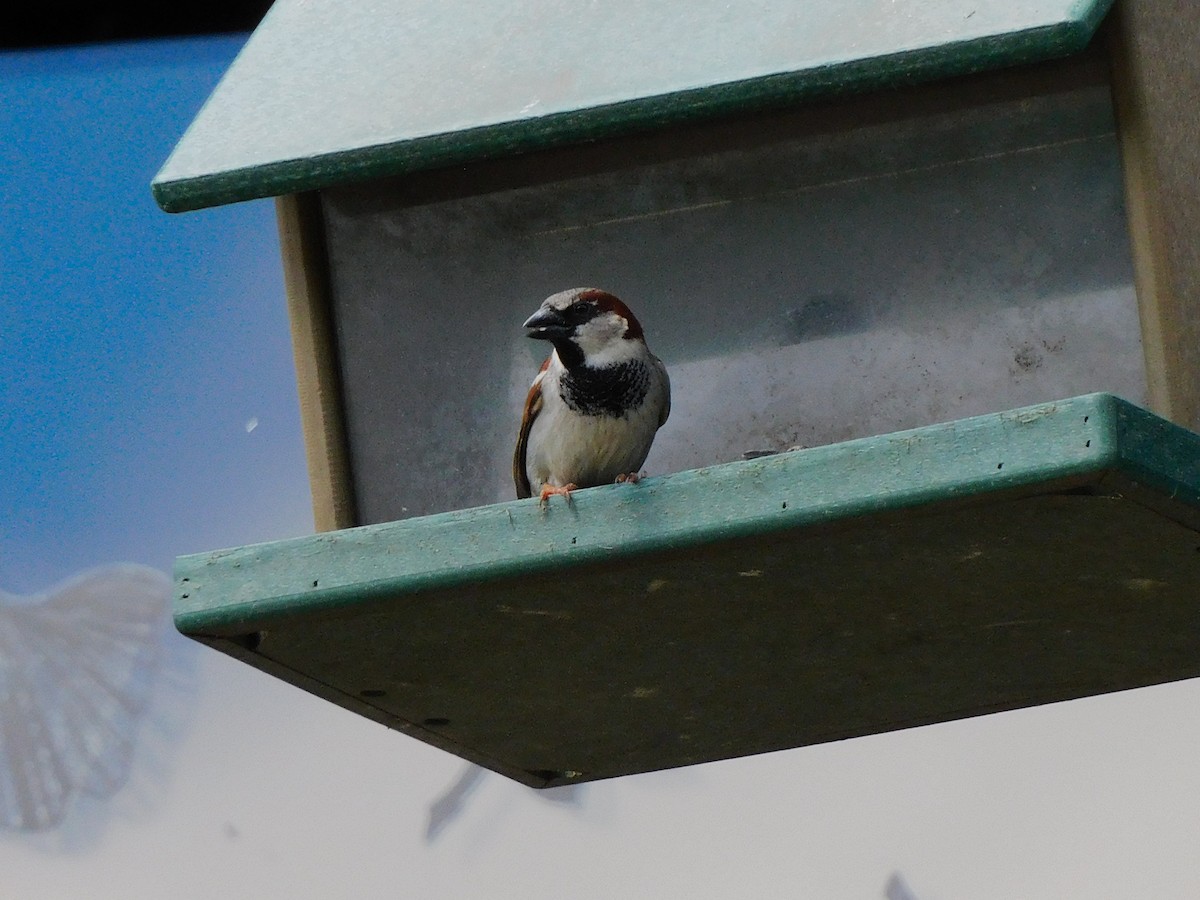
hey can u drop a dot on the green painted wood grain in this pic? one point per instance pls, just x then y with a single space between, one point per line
321 96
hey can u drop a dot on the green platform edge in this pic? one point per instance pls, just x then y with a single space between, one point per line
242 590
597 123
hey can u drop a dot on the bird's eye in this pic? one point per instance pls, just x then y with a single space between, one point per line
578 313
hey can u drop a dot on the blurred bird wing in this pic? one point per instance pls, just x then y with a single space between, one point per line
76 667
533 406
450 805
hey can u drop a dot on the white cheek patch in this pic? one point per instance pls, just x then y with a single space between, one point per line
603 343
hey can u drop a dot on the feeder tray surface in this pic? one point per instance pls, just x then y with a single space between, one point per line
986 564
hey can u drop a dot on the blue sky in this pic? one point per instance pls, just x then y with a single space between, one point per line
136 345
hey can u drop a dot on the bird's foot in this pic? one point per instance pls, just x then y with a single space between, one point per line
549 490
630 477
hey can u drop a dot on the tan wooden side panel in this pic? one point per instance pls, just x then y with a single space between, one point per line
305 275
1157 86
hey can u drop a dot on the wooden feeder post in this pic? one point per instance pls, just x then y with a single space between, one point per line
897 235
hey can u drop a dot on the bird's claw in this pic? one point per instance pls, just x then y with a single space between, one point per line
549 490
630 477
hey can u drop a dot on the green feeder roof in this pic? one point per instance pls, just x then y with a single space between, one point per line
991 563
327 91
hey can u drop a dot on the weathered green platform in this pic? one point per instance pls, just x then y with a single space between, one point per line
991 563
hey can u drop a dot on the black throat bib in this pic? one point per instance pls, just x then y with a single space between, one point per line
611 390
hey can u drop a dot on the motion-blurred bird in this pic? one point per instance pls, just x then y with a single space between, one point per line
593 410
76 667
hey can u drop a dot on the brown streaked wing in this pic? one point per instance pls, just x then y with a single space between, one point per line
533 406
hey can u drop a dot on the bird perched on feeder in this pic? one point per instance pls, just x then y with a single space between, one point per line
599 398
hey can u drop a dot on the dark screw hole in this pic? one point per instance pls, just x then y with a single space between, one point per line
1087 443
999 465
572 540
1085 418
184 596
314 582
785 504
372 692
435 721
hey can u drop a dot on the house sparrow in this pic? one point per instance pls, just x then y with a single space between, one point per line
594 407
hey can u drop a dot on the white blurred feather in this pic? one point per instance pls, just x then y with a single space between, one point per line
76 666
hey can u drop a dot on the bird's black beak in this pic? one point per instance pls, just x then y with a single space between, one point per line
547 325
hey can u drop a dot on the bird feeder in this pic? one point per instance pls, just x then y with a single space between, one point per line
876 243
